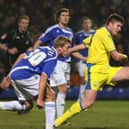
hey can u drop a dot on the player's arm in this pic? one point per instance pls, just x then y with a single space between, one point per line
77 48
3 47
74 51
6 80
5 83
79 56
20 57
83 45
36 44
119 56
4 40
44 38
42 86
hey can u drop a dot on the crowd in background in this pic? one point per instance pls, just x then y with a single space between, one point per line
42 12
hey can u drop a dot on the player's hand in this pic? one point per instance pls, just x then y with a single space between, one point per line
70 51
12 51
125 59
40 103
5 82
3 47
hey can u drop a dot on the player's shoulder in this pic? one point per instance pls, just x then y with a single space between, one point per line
44 48
69 29
103 31
53 27
12 32
79 33
50 29
49 51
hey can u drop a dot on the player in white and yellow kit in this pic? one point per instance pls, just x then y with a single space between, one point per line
100 48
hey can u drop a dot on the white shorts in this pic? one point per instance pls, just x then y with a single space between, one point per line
61 74
80 66
27 88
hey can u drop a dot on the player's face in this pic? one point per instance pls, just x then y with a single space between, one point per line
64 18
87 24
23 25
65 50
115 28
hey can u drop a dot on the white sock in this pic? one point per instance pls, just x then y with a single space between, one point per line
11 105
60 103
81 92
49 114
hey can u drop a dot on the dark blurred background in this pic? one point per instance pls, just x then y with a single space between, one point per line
42 12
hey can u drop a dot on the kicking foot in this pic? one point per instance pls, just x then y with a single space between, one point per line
67 123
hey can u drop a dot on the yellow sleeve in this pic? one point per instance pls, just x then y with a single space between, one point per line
86 41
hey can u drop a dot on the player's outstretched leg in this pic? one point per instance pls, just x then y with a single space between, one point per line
81 92
88 101
60 102
11 105
73 110
15 105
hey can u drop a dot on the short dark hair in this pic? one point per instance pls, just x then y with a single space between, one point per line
58 13
114 17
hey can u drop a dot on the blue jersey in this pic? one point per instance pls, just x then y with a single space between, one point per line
38 61
54 31
79 37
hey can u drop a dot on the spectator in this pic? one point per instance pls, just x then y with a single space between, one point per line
17 40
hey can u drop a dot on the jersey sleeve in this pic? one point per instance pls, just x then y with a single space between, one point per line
46 36
87 41
49 67
27 53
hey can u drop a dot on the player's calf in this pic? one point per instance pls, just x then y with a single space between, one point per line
50 94
28 106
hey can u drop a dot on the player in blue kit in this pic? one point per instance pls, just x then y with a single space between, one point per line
86 31
59 80
29 77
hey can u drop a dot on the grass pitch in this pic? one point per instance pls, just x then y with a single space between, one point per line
103 115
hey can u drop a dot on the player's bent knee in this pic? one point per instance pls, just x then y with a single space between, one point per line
50 96
29 104
63 88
